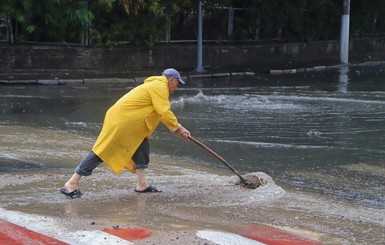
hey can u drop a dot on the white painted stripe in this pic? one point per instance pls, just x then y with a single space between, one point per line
224 238
50 227
95 238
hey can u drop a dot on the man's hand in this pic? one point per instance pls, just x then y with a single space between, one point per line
182 132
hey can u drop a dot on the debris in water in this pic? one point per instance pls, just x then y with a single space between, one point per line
253 180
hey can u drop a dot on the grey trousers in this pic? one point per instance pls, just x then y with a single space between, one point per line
141 159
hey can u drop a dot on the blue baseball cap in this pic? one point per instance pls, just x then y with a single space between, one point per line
170 72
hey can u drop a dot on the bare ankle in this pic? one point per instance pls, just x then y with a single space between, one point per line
142 185
73 183
71 186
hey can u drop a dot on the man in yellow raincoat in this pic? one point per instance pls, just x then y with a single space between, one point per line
127 127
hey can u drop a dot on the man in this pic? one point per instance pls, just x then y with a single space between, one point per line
127 127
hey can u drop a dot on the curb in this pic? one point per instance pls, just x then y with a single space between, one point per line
321 68
302 70
58 81
89 81
222 74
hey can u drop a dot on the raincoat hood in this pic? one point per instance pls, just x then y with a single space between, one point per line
156 78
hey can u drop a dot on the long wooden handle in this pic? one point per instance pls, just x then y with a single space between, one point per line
218 157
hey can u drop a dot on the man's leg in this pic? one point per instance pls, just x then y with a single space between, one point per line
141 182
141 159
85 168
73 183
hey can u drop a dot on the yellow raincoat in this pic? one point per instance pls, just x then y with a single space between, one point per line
132 118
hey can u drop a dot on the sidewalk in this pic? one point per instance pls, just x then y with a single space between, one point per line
112 79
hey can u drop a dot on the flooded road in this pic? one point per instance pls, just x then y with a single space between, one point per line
320 136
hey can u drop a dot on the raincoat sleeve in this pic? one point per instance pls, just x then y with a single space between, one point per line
160 99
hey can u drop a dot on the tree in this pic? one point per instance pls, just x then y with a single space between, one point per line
49 20
367 19
150 22
15 15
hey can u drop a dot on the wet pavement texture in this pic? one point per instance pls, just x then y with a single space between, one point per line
192 199
319 137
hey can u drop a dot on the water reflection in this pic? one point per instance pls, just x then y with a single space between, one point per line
343 79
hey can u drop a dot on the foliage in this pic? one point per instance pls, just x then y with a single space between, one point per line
49 20
149 22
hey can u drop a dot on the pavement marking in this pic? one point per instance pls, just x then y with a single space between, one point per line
129 233
96 237
15 235
49 227
274 236
20 228
225 238
257 235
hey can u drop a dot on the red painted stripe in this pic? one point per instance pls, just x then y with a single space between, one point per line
16 235
274 236
129 233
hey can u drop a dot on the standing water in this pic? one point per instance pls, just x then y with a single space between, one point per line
321 132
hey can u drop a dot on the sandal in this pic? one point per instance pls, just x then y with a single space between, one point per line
74 194
149 189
